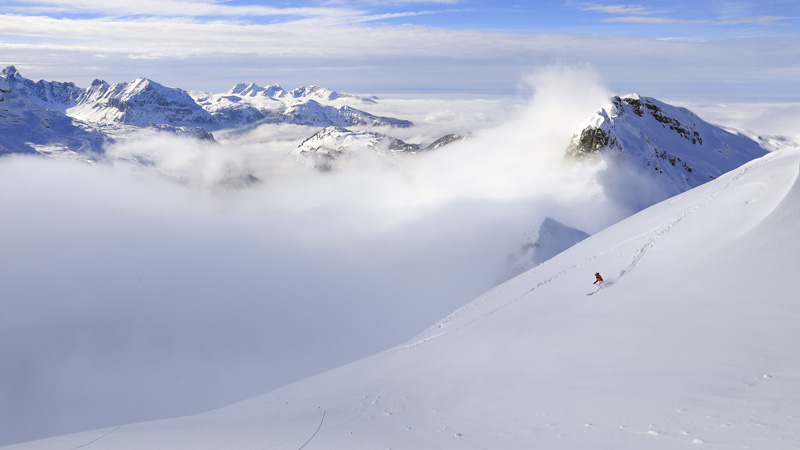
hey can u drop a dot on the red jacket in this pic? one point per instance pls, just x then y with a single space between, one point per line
599 278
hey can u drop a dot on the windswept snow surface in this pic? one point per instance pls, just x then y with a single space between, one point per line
693 343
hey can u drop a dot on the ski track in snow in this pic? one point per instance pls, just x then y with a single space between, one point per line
373 400
321 421
97 439
651 238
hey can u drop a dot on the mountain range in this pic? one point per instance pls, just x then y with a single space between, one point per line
640 134
65 115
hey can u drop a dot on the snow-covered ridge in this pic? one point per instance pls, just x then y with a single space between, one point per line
53 95
138 103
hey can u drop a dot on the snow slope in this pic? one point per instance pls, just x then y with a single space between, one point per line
692 344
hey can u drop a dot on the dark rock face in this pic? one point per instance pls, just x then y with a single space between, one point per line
198 133
326 147
443 141
591 141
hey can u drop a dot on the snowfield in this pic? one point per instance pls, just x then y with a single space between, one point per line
692 345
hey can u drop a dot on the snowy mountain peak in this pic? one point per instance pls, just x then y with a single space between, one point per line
246 89
331 143
49 95
335 142
32 118
139 103
633 96
9 71
646 136
325 94
5 86
274 90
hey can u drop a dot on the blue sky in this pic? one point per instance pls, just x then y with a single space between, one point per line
739 49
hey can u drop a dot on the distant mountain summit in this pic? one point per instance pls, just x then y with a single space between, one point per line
139 103
32 121
655 150
332 144
51 95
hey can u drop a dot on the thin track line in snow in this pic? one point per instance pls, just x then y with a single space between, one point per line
319 428
97 439
315 433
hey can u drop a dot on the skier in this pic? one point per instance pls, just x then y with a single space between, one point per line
599 281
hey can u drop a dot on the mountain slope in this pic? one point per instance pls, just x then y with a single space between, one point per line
693 342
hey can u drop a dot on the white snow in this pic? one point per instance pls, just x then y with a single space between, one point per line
693 343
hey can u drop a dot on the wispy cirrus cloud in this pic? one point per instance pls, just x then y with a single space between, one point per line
635 9
215 11
757 20
171 8
641 14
